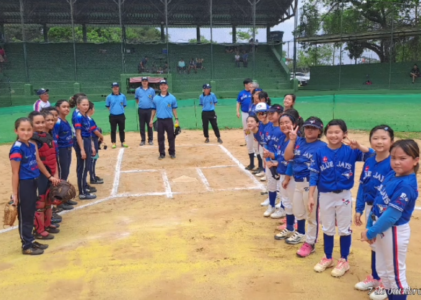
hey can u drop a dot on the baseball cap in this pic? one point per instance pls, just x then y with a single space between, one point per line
313 123
276 108
42 91
207 86
114 84
145 79
261 107
247 80
163 81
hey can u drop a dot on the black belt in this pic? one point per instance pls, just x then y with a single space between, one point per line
373 217
370 203
337 191
305 179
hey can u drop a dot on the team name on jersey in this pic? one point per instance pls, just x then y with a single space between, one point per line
244 96
329 164
377 176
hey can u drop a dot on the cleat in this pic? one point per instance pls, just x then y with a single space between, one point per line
114 146
37 245
263 178
96 181
142 143
341 268
284 234
33 251
249 167
368 284
123 145
297 238
323 265
150 143
43 236
279 213
52 229
65 206
207 140
305 250
161 157
265 203
71 202
220 141
87 196
260 174
379 293
91 189
172 156
269 211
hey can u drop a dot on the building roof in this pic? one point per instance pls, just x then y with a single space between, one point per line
181 13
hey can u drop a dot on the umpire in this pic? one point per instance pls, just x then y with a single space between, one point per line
116 103
208 101
144 98
165 108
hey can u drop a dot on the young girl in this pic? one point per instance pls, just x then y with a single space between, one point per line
47 153
289 101
97 137
275 139
286 188
373 173
63 131
302 151
332 173
388 224
26 167
83 147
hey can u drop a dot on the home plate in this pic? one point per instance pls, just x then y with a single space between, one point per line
185 179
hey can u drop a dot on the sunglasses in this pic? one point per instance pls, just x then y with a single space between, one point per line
261 114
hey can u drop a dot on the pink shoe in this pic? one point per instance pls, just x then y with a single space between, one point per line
368 284
305 250
282 227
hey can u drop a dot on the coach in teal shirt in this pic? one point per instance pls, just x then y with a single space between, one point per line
144 98
116 102
165 109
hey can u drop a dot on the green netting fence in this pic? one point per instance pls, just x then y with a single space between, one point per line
361 112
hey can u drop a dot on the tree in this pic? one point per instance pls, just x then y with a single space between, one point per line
203 40
315 56
244 35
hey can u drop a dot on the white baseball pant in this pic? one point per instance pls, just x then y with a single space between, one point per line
367 214
391 249
255 146
287 194
249 137
336 207
300 209
272 182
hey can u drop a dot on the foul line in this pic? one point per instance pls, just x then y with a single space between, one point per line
139 171
203 178
117 173
167 184
242 168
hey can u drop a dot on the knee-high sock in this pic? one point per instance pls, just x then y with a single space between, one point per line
272 198
373 266
251 156
301 226
328 245
345 242
260 161
290 222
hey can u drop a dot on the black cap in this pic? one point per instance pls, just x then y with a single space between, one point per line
313 123
206 86
163 81
247 80
276 108
42 91
145 79
114 84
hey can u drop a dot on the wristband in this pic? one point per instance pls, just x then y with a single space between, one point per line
50 177
176 119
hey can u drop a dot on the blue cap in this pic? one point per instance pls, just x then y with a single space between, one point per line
276 108
163 81
207 86
114 84
145 79
42 91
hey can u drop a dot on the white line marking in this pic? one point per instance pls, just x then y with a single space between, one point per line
8 229
125 195
242 168
117 172
87 204
139 171
239 189
167 184
215 167
203 178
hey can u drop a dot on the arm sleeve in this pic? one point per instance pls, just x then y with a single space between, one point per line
78 122
387 220
289 169
315 170
93 125
107 102
15 154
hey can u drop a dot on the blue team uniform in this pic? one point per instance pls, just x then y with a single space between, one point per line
245 100
372 176
303 156
260 134
333 170
63 132
26 155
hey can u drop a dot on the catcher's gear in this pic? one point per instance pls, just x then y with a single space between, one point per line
177 130
10 214
61 193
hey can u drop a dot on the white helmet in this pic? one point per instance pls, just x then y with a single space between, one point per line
261 107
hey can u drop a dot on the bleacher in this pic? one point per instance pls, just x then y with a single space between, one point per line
51 66
393 76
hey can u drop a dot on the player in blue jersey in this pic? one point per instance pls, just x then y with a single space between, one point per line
244 103
63 132
97 138
273 140
388 224
372 176
332 173
208 101
83 148
302 150
26 166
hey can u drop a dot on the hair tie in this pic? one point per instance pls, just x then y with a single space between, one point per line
386 128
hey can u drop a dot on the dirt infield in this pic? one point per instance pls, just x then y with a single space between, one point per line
189 228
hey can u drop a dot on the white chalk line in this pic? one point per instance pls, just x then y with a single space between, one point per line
117 172
203 179
158 170
242 168
167 184
139 171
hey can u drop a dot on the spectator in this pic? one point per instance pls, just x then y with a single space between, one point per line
245 59
237 59
42 102
415 73
181 66
166 67
142 65
192 65
199 63
2 58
